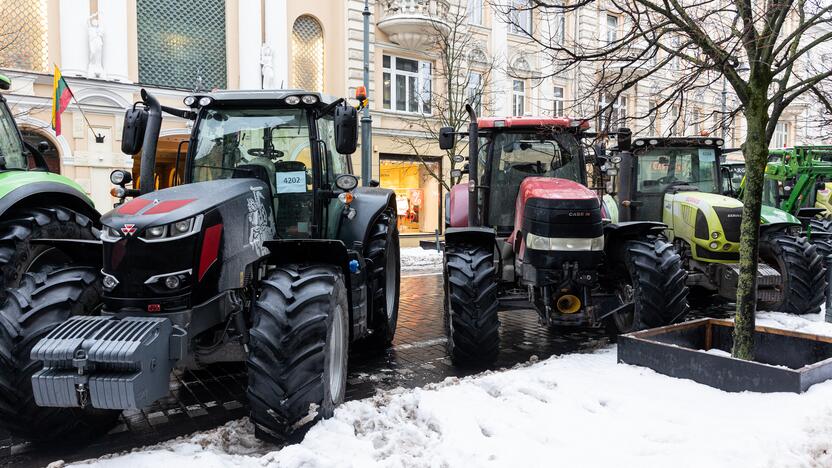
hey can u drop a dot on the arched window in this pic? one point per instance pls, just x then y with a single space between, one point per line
308 54
23 35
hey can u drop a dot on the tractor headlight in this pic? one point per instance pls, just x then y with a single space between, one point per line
585 244
309 99
173 230
714 235
292 100
205 101
714 245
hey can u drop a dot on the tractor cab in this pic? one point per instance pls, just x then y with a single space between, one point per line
15 153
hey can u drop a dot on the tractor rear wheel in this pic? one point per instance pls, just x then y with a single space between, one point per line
382 252
297 364
43 301
801 269
655 284
822 225
471 295
19 255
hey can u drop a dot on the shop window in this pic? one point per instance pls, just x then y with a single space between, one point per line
23 36
308 54
418 193
406 84
182 44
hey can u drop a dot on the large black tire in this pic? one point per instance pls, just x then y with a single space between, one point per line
471 295
820 225
802 271
297 364
18 255
382 254
655 283
42 302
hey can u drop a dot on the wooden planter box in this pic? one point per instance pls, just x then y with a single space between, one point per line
786 361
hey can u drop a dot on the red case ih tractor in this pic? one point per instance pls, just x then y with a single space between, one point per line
526 233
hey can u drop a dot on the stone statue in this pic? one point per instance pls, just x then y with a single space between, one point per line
95 68
266 66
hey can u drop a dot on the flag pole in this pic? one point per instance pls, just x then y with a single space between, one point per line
99 138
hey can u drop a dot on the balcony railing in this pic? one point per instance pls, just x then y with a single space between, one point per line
414 24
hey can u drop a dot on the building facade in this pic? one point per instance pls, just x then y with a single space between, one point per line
109 49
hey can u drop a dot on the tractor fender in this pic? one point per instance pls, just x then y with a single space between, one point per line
81 251
766 229
368 203
632 229
329 252
49 193
480 236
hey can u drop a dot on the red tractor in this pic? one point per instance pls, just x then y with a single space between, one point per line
526 233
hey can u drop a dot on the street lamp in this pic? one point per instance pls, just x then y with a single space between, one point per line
366 119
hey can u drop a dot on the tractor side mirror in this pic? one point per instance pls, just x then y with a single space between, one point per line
132 136
346 129
447 138
625 139
43 147
374 183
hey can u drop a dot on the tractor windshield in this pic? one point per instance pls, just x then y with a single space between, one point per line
661 168
11 148
515 156
234 140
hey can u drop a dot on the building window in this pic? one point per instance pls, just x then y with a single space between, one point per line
520 17
559 32
406 84
473 91
612 29
673 127
781 135
475 12
308 54
558 101
612 116
182 44
23 36
518 98
418 192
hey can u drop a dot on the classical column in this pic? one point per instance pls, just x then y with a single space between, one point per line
74 17
250 44
112 15
277 37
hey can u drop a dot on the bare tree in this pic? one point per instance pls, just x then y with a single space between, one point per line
760 48
463 71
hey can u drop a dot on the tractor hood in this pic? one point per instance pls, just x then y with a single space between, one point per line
177 203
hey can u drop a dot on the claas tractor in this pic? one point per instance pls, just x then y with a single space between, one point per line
37 207
680 181
267 254
526 233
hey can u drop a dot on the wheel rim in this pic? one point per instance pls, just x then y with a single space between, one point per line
390 282
625 294
336 355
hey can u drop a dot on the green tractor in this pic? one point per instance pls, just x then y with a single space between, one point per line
679 181
37 208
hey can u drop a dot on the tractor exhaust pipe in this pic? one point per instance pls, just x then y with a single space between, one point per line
151 137
473 151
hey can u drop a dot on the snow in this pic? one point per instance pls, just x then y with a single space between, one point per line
419 260
572 410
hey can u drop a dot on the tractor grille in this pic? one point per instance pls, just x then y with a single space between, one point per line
730 218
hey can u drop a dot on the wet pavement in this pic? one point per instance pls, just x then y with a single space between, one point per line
207 398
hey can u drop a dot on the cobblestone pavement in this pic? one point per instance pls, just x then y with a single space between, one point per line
210 397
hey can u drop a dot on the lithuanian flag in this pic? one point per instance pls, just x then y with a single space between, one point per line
60 99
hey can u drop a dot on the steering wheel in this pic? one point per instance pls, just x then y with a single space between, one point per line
530 168
667 179
261 153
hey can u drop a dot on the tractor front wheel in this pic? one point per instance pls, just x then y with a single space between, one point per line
297 364
43 301
19 255
654 284
471 295
384 277
803 284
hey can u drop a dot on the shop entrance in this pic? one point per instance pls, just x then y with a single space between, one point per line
418 193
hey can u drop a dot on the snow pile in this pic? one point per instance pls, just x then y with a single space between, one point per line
417 259
573 410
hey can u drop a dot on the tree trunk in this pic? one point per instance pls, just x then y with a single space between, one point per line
755 151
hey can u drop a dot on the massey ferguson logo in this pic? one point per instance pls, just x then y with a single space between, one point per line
128 229
579 213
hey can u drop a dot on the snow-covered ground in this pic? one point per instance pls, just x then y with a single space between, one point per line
415 260
573 410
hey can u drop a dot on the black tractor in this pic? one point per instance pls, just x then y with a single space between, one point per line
269 254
